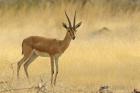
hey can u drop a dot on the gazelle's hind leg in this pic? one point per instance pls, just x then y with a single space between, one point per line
19 65
31 58
26 52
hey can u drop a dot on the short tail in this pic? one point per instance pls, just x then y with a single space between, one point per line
22 48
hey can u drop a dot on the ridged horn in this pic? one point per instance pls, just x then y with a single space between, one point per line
74 20
68 20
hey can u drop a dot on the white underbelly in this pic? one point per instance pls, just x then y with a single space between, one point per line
43 54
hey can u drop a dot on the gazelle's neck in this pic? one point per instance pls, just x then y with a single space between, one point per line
66 41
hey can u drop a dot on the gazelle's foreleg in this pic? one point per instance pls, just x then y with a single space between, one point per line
52 69
56 73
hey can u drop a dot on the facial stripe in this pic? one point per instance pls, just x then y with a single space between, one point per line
72 34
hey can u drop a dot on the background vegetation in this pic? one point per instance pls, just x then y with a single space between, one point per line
106 50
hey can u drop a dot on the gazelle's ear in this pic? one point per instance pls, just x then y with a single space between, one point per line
78 25
64 25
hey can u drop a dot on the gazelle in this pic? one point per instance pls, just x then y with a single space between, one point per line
35 46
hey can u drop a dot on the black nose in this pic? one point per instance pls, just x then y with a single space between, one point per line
73 38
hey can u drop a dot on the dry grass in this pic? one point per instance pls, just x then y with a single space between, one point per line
94 59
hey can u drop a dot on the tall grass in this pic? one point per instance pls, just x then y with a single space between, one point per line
113 7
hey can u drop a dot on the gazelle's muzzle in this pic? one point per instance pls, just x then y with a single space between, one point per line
73 38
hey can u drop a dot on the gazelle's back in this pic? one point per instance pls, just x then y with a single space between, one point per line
38 43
